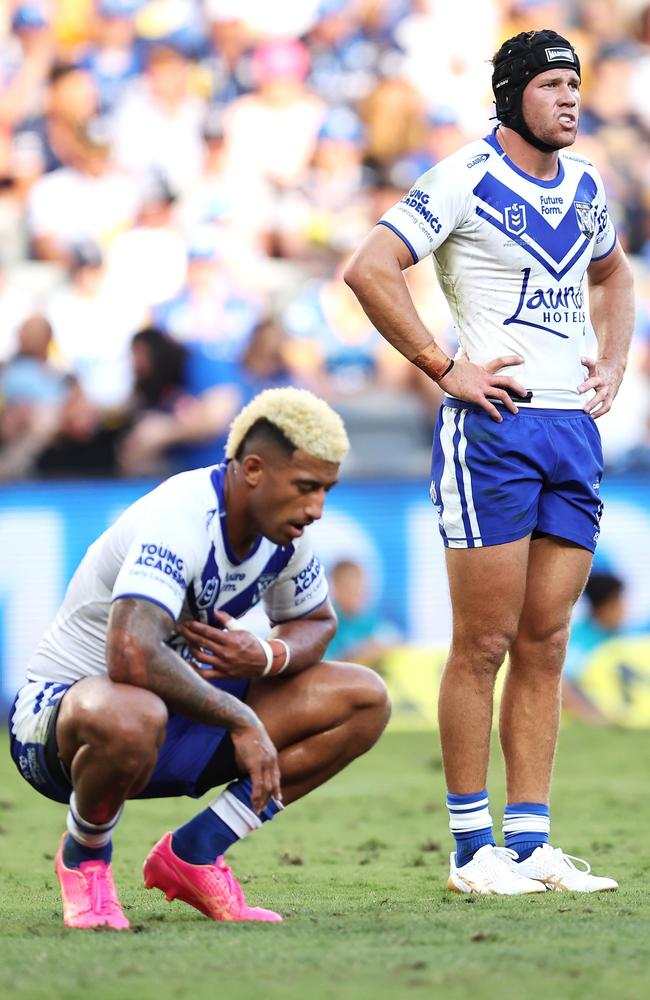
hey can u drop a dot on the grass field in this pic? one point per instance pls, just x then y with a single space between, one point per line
358 869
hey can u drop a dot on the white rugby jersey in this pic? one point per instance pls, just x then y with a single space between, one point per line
171 548
511 252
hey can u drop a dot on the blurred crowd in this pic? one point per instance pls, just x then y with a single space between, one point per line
182 182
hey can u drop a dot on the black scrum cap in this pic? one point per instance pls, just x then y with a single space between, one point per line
520 59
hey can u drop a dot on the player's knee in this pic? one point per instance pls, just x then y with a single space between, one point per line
130 724
551 636
364 691
373 694
485 651
368 707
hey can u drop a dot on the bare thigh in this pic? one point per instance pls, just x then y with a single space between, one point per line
317 699
557 574
487 587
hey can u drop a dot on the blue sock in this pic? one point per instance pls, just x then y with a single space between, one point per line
75 853
526 826
470 822
226 820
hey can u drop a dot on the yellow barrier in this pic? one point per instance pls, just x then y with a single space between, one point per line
616 678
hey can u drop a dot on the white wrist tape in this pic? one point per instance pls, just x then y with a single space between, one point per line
268 650
287 655
233 625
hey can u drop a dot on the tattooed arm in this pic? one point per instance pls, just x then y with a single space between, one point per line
137 653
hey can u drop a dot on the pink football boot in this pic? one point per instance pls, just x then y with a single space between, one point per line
88 894
212 889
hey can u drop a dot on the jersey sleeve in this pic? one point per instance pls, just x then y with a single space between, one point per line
431 210
162 558
605 230
299 589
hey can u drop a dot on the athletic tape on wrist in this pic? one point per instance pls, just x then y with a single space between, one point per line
433 362
268 652
287 655
233 625
447 370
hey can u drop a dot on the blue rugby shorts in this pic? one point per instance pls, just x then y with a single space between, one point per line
538 471
193 758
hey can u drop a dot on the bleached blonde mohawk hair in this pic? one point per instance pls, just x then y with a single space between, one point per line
307 421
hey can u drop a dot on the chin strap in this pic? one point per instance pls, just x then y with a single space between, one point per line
519 125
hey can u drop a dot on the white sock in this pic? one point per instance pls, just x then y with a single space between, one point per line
90 834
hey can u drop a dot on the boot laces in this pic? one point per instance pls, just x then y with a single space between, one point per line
233 885
102 892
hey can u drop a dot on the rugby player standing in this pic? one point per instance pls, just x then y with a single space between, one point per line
513 225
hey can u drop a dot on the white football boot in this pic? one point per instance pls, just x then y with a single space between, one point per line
557 871
492 871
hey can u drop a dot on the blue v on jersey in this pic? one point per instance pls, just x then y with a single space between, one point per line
511 252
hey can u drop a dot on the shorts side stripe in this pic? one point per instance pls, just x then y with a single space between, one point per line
475 532
459 419
449 493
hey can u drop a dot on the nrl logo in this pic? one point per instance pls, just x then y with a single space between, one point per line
515 219
586 214
209 592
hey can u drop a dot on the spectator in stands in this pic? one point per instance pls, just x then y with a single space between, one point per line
267 362
112 56
395 120
158 371
210 315
16 304
157 124
228 59
93 329
361 632
166 436
85 200
48 424
182 421
601 24
85 440
329 211
48 141
605 596
32 393
272 132
86 444
147 263
335 346
25 65
344 60
445 62
242 211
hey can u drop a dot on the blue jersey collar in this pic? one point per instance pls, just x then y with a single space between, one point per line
555 182
218 476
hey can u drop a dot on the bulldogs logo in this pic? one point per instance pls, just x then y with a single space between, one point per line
586 215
